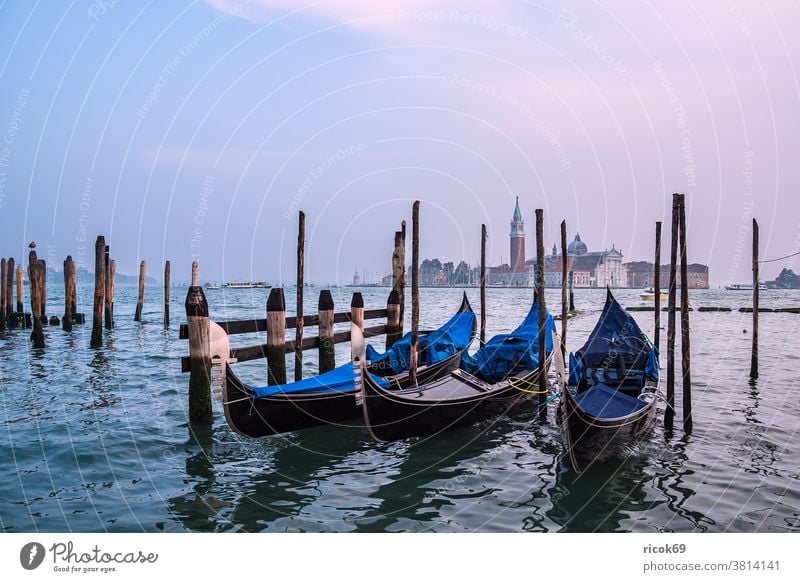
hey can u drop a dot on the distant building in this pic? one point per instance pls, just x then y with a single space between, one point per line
387 281
519 273
356 279
640 274
589 269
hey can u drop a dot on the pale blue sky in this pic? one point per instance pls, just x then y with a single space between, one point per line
200 128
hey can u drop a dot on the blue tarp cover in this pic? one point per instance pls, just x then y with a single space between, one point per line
617 334
602 401
339 379
453 336
517 350
435 346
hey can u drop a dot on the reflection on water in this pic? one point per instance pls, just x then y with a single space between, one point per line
98 440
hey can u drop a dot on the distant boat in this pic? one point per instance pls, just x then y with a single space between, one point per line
650 295
745 287
212 286
247 285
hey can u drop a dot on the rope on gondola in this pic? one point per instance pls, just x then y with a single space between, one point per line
526 391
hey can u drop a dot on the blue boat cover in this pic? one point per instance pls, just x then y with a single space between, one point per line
434 346
453 336
616 335
341 379
517 350
601 401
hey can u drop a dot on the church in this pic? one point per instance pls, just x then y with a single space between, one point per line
589 269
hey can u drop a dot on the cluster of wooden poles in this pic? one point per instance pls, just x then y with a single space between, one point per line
103 310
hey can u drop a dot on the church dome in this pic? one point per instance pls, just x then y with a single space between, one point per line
577 247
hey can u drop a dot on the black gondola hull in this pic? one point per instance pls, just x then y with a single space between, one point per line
589 439
392 416
258 417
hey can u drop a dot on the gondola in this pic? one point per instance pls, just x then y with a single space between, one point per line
610 398
495 378
257 411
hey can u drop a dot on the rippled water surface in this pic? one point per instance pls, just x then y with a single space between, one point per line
98 439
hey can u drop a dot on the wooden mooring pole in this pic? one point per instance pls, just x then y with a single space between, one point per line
43 290
357 310
8 283
327 354
20 306
754 352
686 367
483 284
199 353
111 274
571 291
542 390
195 274
276 332
298 333
140 298
398 266
108 311
35 287
99 291
3 291
412 371
69 298
657 289
401 288
669 413
393 329
167 269
564 306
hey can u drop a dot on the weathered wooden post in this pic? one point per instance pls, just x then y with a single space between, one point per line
401 290
109 314
754 352
414 356
298 334
657 289
397 267
99 291
276 332
20 306
542 315
327 354
195 274
167 269
43 288
483 284
140 298
66 321
685 339
393 331
73 286
564 306
571 291
199 355
35 287
357 310
669 413
3 291
8 283
111 274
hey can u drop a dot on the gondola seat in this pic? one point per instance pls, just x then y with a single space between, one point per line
602 401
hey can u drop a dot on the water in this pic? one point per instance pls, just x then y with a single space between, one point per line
98 439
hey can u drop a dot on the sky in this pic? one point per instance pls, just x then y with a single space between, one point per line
198 130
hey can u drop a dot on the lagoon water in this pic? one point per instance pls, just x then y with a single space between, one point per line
97 440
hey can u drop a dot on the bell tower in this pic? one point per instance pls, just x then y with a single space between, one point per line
517 240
